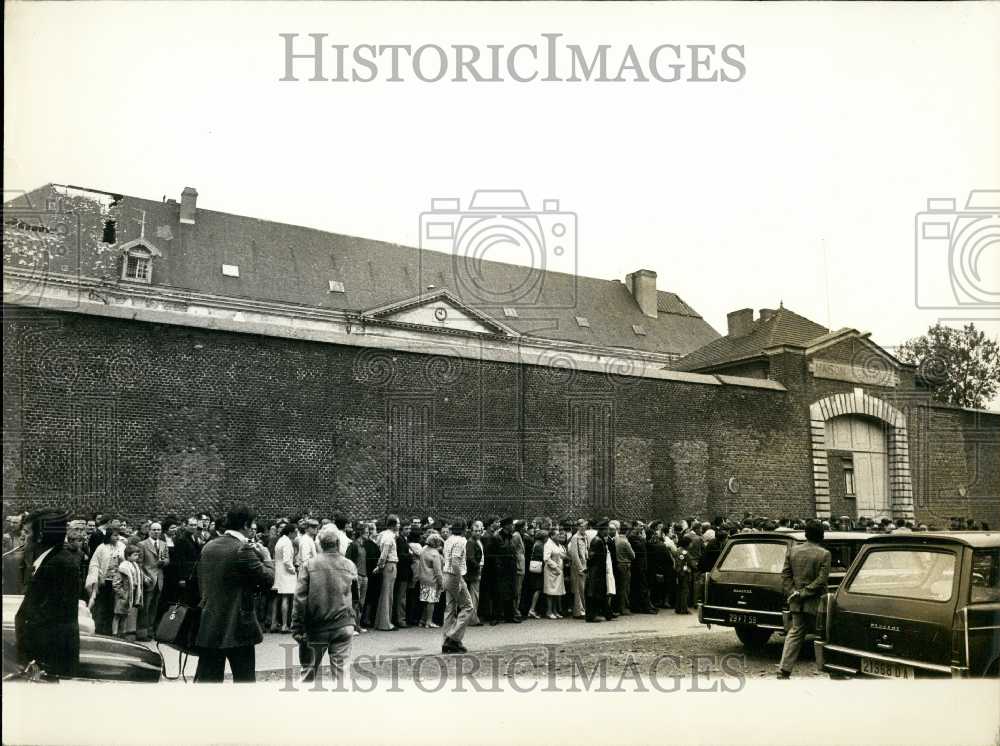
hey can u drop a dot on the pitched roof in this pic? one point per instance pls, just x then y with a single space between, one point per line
784 327
295 265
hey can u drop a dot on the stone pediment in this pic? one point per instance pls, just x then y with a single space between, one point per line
439 310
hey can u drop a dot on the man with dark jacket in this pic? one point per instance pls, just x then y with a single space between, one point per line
47 626
598 556
804 578
230 572
640 569
187 550
501 560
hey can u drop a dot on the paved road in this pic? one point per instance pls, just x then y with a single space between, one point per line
552 644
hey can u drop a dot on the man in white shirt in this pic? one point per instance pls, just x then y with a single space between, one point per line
458 610
307 541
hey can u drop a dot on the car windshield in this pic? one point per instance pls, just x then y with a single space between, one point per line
755 557
906 573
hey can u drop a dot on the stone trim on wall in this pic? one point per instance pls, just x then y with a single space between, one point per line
860 403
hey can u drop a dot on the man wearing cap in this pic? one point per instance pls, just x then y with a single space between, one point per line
502 561
47 626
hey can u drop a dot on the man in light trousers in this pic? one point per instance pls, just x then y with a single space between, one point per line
579 546
387 561
458 610
804 577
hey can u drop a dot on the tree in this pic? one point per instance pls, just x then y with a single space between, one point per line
961 365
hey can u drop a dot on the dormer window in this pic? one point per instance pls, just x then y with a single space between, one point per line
137 265
137 261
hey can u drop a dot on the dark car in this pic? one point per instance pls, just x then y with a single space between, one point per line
744 589
101 657
916 605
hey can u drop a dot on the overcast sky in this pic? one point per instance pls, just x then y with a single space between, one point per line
847 119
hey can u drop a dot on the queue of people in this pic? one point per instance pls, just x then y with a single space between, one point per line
327 580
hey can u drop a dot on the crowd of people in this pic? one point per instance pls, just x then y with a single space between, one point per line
390 574
515 569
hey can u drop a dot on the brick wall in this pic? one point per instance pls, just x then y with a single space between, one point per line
147 419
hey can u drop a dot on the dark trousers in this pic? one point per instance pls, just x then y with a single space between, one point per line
597 606
104 608
212 665
683 592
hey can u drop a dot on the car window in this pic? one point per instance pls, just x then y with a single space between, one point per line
906 573
755 557
841 554
985 576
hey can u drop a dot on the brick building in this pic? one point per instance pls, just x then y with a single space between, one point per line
160 357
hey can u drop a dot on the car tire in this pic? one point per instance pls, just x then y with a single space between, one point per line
753 637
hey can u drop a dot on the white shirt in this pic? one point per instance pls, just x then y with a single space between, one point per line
307 548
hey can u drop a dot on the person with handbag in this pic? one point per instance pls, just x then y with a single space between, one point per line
534 579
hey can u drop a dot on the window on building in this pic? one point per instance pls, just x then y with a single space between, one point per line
582 321
849 477
639 329
510 313
137 265
109 234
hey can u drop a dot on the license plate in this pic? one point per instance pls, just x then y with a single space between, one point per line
886 669
742 618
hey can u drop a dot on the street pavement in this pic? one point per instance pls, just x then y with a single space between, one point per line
278 651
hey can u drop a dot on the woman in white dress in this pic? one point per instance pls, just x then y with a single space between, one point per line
285 579
554 585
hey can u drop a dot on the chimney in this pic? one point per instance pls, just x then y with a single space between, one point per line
189 203
766 313
642 285
740 322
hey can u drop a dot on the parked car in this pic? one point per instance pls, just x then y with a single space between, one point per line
916 605
101 657
744 589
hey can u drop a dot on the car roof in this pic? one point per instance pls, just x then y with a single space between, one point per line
801 536
975 539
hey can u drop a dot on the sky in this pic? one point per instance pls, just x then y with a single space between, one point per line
799 183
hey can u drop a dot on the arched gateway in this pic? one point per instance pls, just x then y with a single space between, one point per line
865 409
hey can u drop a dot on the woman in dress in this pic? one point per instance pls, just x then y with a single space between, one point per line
536 566
554 586
285 579
431 577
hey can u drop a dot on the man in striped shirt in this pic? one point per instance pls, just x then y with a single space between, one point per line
458 611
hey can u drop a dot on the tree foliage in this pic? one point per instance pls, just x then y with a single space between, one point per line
962 366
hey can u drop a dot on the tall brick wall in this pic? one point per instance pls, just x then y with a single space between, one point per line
146 419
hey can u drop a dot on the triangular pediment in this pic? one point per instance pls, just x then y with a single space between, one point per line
439 310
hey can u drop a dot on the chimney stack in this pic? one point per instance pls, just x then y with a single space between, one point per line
189 204
642 285
766 313
740 322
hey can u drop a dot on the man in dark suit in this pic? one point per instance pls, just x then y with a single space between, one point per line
501 560
230 572
47 626
187 550
804 577
598 556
